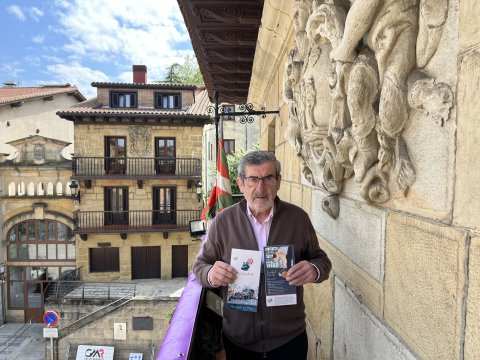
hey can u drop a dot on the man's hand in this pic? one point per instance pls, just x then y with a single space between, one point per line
221 274
301 274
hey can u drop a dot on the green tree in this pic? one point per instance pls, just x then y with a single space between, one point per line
233 159
172 74
186 73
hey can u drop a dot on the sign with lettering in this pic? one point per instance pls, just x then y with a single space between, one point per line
135 356
50 332
94 352
119 331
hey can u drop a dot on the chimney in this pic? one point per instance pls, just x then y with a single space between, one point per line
139 74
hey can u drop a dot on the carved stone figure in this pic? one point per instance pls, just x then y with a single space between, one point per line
375 47
140 140
431 98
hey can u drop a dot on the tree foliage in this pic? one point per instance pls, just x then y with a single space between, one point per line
186 73
233 159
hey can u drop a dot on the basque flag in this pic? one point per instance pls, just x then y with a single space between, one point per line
221 195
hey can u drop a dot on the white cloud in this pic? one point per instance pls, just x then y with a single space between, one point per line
16 11
38 39
35 13
78 75
12 69
123 32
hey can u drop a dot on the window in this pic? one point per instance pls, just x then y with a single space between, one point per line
168 101
115 154
164 205
229 146
165 155
123 99
116 205
105 259
41 240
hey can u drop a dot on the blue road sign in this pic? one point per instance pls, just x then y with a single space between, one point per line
50 318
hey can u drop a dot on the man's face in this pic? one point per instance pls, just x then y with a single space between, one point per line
259 197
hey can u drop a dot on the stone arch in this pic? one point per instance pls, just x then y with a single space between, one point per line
21 188
12 189
68 191
40 189
49 188
30 215
30 189
59 188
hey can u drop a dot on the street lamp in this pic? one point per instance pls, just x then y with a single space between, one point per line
198 190
75 190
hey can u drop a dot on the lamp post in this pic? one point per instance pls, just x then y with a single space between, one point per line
198 190
75 190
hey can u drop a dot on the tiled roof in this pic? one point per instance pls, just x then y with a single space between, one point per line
148 86
93 108
202 102
14 94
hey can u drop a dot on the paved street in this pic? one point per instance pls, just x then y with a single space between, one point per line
21 341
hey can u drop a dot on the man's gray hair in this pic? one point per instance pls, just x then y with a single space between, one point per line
258 157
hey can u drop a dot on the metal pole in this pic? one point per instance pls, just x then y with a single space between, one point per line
51 347
217 119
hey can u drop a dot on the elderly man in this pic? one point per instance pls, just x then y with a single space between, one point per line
259 220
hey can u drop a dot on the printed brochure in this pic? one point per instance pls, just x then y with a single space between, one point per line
243 293
278 260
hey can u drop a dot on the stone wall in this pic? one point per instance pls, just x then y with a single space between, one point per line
101 332
393 199
125 253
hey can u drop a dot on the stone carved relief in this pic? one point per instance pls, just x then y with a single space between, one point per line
140 140
375 50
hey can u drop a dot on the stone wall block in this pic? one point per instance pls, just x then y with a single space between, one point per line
469 13
359 334
472 327
424 285
358 232
319 312
296 194
467 186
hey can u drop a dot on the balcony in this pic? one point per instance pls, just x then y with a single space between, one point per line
133 221
86 168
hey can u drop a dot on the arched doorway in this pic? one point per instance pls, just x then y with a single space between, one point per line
39 252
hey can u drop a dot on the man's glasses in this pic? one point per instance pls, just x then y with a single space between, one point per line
254 180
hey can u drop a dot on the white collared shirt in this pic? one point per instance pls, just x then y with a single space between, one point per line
261 230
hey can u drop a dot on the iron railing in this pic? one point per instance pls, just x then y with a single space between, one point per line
134 220
81 290
93 166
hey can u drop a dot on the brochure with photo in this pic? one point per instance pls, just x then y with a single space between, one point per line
278 260
243 293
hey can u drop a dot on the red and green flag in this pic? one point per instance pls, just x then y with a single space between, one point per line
221 195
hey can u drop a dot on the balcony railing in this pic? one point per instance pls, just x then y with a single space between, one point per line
134 221
136 167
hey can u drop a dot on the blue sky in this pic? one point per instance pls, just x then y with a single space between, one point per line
81 41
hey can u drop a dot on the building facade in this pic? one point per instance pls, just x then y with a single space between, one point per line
137 160
36 212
